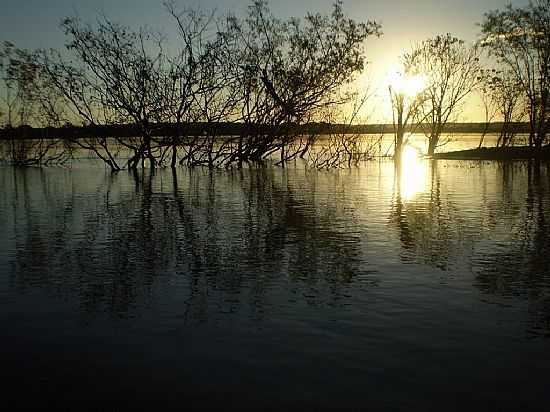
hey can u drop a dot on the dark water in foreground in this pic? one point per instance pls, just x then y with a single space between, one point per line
275 288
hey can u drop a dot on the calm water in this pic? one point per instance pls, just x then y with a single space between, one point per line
274 287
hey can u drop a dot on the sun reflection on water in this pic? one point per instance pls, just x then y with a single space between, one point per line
412 173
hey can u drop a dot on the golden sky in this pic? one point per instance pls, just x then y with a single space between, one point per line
34 24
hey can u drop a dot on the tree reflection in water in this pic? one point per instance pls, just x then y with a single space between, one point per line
251 241
232 236
329 287
521 266
426 222
507 252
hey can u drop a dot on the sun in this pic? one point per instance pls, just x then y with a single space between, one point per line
414 85
404 84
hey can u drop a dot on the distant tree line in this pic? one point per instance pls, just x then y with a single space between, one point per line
165 130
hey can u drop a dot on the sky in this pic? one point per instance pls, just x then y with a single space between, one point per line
35 23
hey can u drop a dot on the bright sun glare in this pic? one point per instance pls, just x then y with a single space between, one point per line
413 173
404 84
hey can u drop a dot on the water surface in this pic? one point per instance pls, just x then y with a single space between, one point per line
426 288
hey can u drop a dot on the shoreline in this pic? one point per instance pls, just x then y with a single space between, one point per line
70 131
497 153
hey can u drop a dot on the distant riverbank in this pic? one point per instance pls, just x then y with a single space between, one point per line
234 129
497 153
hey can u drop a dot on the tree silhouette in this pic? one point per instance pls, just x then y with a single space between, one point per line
452 71
519 38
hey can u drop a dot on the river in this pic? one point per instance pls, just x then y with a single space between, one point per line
421 289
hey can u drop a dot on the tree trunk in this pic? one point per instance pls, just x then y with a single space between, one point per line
174 154
399 135
432 144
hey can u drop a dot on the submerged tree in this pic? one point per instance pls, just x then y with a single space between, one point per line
406 97
452 71
504 95
202 87
490 112
290 70
118 79
343 145
173 102
29 99
519 37
18 72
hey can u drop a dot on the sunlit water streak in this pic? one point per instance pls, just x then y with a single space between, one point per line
413 173
370 287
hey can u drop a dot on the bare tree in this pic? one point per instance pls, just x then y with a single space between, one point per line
201 86
490 111
506 97
406 98
18 74
344 147
30 100
452 71
119 77
519 37
268 77
80 96
292 69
